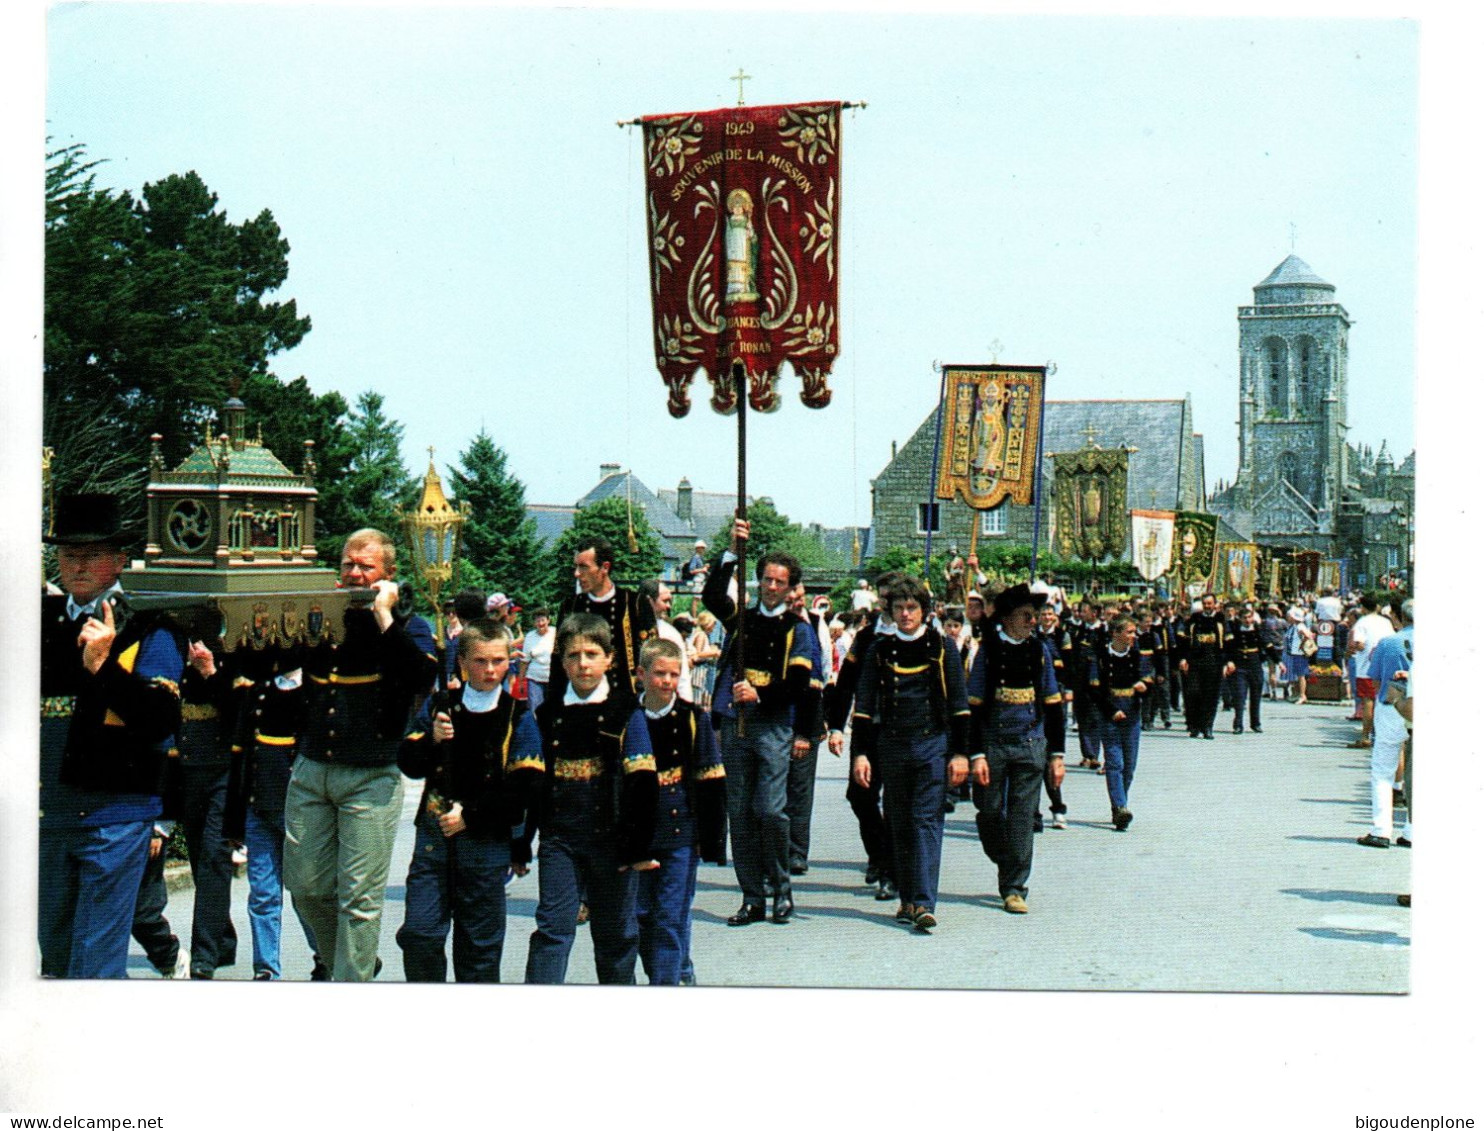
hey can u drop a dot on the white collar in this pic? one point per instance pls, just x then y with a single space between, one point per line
599 695
1112 651
288 681
606 597
663 711
777 611
900 635
74 610
478 702
1009 640
884 625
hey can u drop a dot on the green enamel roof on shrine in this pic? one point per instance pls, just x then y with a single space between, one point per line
250 459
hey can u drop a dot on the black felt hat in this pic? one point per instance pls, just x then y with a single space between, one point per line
1015 597
81 520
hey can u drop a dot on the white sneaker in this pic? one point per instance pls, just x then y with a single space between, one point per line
182 968
239 857
1058 820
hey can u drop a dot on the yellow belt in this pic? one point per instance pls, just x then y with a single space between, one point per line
757 678
197 712
1121 692
672 776
577 769
274 740
1021 695
1206 638
58 706
346 680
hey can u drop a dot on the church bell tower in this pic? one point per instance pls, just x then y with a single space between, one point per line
1293 345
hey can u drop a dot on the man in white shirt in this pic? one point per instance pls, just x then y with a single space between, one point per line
1369 630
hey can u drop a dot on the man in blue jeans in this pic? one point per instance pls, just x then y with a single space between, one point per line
110 686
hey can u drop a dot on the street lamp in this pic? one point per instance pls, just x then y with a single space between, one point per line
433 530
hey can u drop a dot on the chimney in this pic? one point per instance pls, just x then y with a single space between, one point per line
683 500
607 469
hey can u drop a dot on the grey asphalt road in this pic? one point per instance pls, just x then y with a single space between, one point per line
1240 873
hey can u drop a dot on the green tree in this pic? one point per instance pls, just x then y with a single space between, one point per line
376 484
608 518
768 530
501 550
154 307
289 413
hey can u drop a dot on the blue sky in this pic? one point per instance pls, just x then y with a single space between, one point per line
467 226
467 234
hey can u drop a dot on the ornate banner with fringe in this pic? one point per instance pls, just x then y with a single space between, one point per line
1154 542
1239 569
990 427
1195 537
1306 568
744 249
1092 503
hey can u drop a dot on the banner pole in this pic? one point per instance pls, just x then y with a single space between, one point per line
739 379
927 554
1040 459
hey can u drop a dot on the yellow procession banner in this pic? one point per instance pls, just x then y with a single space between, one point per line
1239 569
990 430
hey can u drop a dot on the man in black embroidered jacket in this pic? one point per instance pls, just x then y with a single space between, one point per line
110 686
766 703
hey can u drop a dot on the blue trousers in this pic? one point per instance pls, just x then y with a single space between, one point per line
88 887
913 769
757 802
1121 748
573 866
665 897
458 880
1089 726
1249 680
264 838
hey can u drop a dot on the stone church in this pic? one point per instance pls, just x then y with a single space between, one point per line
1299 483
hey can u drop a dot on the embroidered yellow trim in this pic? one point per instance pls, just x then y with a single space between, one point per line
910 671
757 678
638 764
275 740
711 773
577 769
129 656
672 776
197 712
1019 695
58 707
526 764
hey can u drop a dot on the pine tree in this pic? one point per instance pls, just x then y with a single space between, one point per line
500 546
376 484
608 518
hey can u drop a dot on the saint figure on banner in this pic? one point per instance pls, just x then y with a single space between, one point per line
1149 551
987 438
741 248
1092 505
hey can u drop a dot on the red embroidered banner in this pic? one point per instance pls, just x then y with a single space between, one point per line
744 260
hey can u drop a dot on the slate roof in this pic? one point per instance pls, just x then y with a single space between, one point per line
710 510
1156 428
1291 271
628 486
551 521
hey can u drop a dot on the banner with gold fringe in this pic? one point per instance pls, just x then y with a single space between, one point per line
989 432
744 249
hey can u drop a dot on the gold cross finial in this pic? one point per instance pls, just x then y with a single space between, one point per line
994 351
740 78
1091 434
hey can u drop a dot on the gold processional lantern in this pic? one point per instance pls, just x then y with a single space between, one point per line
434 529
